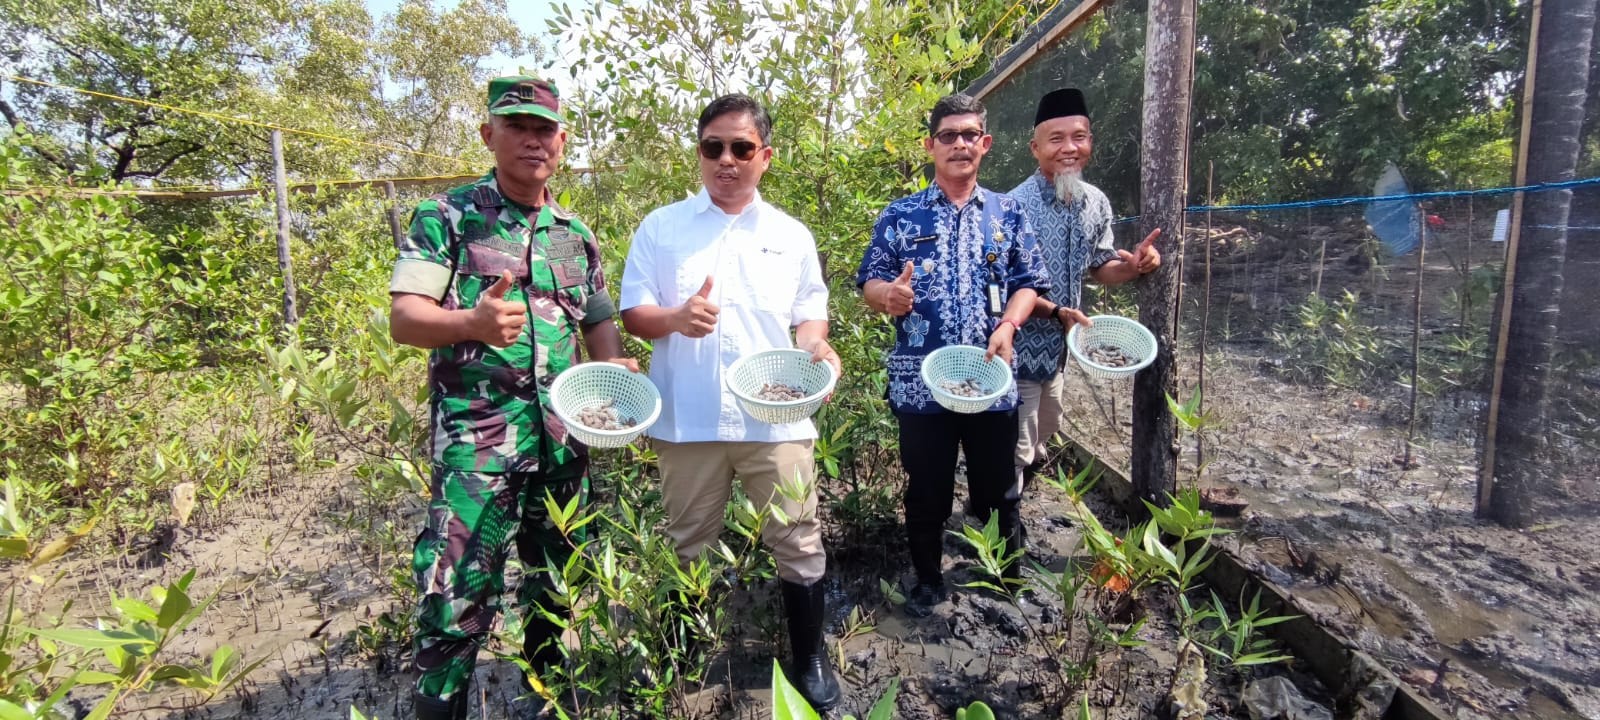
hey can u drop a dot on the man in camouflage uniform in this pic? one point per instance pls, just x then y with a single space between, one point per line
499 281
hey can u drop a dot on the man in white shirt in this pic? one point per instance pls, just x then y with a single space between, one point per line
709 280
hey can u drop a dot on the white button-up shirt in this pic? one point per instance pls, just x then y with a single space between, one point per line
766 280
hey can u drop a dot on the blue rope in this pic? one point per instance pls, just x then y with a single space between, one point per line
1336 202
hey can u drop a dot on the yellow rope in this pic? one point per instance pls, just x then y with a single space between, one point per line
196 189
226 118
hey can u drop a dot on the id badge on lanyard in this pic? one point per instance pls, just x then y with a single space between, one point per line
991 254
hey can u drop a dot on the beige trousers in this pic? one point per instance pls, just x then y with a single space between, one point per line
697 482
1038 418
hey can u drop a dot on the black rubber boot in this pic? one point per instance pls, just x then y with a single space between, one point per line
927 556
541 646
432 708
812 671
1016 537
1030 474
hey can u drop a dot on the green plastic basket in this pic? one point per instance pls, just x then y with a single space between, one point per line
960 363
592 384
789 367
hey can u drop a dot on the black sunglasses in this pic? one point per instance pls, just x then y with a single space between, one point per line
948 137
711 149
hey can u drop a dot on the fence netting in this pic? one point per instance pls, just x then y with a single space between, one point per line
1347 379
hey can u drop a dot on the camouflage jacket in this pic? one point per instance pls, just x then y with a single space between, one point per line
489 406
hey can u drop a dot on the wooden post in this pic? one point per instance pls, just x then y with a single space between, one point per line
1498 357
280 182
1164 164
391 211
1416 340
1205 326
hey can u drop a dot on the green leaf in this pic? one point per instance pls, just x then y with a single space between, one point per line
103 710
172 672
135 609
975 711
223 661
172 609
13 548
787 704
11 711
93 639
883 709
95 677
889 591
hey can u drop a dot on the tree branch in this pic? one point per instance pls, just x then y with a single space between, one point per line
50 157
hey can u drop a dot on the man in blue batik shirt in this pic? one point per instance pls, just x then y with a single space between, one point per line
1073 222
955 264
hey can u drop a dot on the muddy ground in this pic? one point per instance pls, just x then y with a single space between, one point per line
297 579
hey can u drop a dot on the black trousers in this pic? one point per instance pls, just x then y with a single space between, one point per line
928 445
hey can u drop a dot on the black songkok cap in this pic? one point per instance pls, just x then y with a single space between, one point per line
1061 103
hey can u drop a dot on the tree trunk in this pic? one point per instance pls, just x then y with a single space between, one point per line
1566 32
1580 306
1169 59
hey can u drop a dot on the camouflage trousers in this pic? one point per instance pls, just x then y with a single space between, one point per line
460 558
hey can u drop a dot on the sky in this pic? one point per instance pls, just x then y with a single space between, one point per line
530 14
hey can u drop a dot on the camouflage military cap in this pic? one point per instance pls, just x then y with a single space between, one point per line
524 95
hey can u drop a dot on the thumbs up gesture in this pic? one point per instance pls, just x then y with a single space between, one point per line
1144 258
898 295
496 320
697 317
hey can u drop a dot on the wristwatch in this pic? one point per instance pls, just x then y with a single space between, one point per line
1056 313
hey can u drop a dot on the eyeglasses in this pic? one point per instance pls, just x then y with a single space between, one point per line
948 137
711 149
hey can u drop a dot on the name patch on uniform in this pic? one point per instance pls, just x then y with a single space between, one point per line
564 244
567 257
497 243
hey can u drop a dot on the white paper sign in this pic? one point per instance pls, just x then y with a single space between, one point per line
1502 225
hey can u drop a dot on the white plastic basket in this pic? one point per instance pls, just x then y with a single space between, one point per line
591 384
965 362
1135 341
789 367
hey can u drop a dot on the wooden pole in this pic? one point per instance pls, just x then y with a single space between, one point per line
291 314
1466 272
1205 323
1322 255
1169 57
1024 52
1416 342
391 212
1498 367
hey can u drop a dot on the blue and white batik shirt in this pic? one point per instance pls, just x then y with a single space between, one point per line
1073 238
950 249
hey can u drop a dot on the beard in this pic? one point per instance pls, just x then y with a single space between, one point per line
1069 186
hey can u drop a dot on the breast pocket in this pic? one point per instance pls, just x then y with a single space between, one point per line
484 259
771 279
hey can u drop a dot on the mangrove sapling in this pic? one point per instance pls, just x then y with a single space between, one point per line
1233 639
127 653
645 626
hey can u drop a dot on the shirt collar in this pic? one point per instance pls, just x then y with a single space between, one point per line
532 221
701 202
936 196
1046 189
